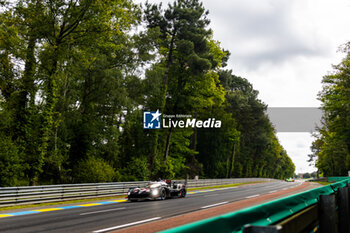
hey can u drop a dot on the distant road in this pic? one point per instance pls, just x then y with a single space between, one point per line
109 217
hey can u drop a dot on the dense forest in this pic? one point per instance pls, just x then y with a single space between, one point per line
77 75
331 149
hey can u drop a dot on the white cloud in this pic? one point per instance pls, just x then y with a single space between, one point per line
260 31
298 147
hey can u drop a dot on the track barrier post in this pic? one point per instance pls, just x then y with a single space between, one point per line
328 218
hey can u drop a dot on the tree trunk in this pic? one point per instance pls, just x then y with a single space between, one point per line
167 145
163 103
232 161
26 100
194 169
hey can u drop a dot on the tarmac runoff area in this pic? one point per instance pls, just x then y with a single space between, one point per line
149 216
155 225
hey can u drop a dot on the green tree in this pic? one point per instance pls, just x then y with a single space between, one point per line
75 78
332 144
258 152
218 149
59 42
189 57
93 170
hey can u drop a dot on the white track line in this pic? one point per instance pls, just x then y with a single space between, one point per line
253 196
102 211
208 206
273 191
126 225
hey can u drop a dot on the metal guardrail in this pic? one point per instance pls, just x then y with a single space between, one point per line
323 210
330 214
10 196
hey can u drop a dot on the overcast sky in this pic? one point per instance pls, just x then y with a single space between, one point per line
283 47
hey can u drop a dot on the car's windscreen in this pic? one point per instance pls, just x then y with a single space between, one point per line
153 185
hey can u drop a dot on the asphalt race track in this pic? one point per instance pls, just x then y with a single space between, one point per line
107 217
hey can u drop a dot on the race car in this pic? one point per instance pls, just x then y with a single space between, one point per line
157 190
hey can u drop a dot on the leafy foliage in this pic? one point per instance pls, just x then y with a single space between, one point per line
94 169
331 149
75 78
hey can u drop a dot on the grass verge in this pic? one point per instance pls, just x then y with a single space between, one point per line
322 182
60 203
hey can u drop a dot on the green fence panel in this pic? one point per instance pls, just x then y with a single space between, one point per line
263 215
337 178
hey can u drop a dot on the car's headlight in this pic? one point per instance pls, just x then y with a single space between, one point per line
155 192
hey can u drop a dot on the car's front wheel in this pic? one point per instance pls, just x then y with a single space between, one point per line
162 194
183 193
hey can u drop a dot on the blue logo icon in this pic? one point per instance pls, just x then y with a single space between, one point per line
151 120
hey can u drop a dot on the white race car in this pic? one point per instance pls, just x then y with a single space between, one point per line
157 190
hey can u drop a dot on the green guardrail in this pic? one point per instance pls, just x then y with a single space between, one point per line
337 178
264 214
